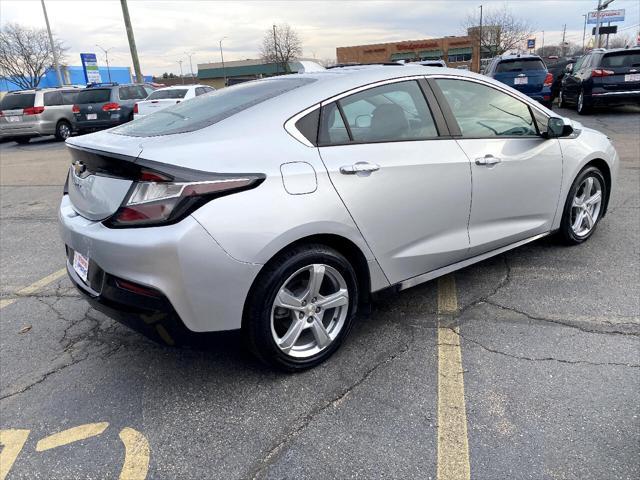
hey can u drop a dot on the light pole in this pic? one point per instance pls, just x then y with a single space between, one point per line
189 54
132 41
224 72
601 6
584 30
53 47
480 43
181 76
106 55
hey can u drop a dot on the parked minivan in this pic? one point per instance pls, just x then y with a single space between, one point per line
524 72
33 113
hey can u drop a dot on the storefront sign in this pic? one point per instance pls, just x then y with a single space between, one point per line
606 16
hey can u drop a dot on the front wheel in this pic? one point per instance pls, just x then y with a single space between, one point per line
301 307
583 207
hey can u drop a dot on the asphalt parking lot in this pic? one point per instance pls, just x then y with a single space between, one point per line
547 383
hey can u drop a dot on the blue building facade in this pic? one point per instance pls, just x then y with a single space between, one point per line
72 75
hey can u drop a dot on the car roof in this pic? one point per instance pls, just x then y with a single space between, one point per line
181 87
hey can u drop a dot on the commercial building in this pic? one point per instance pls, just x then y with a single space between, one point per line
214 74
72 75
455 51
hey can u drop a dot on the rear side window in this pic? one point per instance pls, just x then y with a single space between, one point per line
393 112
69 97
94 95
333 131
621 60
134 92
520 65
52 99
484 112
173 93
207 110
15 101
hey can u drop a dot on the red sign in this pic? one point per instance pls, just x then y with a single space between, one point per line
416 45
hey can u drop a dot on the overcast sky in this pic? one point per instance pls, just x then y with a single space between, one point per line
165 30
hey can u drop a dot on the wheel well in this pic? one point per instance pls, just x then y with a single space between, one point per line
63 120
348 249
601 165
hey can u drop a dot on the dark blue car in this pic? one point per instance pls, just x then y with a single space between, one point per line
526 73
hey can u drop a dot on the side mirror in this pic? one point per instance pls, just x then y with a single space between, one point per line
556 128
363 121
569 68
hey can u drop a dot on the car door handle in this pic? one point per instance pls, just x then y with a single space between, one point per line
487 160
360 167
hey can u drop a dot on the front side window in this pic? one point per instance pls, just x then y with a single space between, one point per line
172 93
134 92
393 112
207 110
482 111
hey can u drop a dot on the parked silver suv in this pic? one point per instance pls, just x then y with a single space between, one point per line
34 113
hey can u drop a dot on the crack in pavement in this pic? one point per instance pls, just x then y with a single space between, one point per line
304 421
541 359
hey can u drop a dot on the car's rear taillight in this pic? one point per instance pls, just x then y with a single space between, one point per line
75 109
1 113
135 108
601 72
157 199
32 110
111 107
548 80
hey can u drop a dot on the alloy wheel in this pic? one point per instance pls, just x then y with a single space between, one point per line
309 310
64 130
580 101
585 208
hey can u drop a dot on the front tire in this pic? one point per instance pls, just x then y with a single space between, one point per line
63 130
583 207
301 307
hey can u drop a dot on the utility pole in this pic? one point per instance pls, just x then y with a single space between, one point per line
480 43
189 54
181 75
53 47
224 72
132 41
564 32
106 54
601 6
542 48
584 30
275 48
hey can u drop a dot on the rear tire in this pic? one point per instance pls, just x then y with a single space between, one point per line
562 103
582 211
63 130
581 105
298 338
22 140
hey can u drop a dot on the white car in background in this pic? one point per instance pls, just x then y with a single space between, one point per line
165 97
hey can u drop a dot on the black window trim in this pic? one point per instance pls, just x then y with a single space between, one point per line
453 123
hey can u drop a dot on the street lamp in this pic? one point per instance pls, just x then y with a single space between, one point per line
181 76
224 72
106 54
189 54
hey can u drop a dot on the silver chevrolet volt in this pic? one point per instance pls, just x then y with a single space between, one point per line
279 206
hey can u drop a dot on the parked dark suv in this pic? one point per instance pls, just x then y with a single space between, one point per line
526 73
106 105
602 77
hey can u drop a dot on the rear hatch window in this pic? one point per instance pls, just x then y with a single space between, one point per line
520 65
94 95
162 94
206 110
621 60
17 101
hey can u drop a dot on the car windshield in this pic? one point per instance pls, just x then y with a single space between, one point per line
172 93
621 59
206 110
94 95
520 65
16 101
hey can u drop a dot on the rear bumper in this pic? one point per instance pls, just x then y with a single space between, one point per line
628 97
86 125
26 129
195 279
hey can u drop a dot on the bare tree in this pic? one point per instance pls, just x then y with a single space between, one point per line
281 45
501 30
26 55
620 41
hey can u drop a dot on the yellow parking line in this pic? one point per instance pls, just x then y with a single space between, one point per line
453 443
11 441
34 287
136 455
71 435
